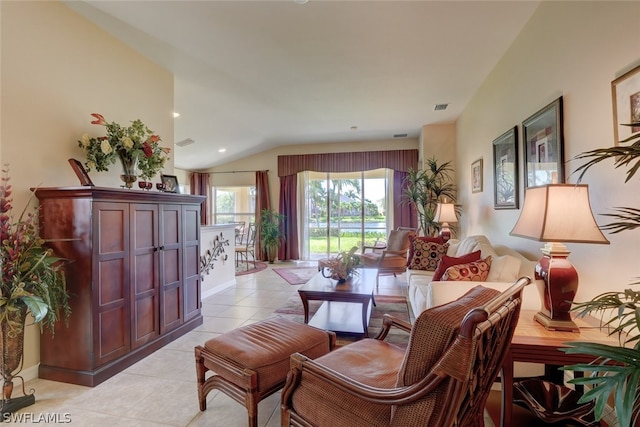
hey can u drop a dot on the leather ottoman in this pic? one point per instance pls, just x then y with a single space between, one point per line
252 362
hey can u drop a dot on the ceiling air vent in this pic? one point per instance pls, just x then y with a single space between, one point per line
440 107
185 142
400 135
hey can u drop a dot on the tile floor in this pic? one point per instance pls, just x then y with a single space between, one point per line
160 390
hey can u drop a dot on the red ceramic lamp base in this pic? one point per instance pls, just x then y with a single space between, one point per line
561 285
445 233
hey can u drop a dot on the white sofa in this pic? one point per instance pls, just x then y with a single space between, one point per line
506 267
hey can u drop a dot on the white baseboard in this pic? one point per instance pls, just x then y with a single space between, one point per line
218 288
30 373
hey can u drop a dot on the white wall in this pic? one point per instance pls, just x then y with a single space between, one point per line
573 49
57 69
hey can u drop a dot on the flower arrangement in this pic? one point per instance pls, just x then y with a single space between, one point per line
135 144
343 266
32 278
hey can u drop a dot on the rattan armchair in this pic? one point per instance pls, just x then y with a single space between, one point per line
390 257
442 378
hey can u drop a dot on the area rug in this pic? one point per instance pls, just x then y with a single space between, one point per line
253 267
296 275
393 305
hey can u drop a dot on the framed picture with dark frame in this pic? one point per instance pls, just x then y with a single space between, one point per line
476 176
625 94
170 183
505 170
543 142
81 173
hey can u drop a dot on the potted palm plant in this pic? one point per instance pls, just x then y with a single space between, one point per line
616 369
424 189
32 282
271 233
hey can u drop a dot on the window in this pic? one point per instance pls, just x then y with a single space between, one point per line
343 210
234 204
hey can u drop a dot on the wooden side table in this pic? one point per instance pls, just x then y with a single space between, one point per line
533 343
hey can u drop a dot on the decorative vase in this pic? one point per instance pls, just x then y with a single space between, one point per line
129 164
11 351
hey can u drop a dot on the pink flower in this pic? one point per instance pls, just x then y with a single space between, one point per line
100 120
166 150
154 138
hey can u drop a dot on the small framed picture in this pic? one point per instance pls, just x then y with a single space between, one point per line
81 173
542 136
625 94
505 170
476 176
170 183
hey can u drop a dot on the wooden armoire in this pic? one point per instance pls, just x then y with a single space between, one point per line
133 275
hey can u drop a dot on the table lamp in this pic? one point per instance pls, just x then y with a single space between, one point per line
557 214
445 213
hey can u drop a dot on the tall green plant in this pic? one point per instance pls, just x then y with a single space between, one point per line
616 369
271 234
424 189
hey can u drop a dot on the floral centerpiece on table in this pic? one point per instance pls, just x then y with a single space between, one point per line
343 266
135 145
32 279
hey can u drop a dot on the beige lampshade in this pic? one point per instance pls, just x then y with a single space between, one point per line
558 213
445 212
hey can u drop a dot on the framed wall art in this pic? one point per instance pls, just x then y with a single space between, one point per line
476 176
625 94
505 170
542 136
170 183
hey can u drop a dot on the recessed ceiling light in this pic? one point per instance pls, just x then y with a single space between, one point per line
222 150
176 115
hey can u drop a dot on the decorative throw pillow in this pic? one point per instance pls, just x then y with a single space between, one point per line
427 255
449 261
423 239
504 269
476 271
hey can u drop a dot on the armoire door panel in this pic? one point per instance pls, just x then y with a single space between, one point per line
112 279
145 321
113 339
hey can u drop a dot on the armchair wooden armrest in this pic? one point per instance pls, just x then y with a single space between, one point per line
388 321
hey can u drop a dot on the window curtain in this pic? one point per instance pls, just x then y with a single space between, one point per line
290 166
200 186
288 207
263 201
404 214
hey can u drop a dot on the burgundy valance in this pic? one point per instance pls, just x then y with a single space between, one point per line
398 160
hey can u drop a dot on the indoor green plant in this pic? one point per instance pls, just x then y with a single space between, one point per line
617 368
32 281
424 189
136 146
271 233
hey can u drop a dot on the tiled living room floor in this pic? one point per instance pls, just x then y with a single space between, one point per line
161 389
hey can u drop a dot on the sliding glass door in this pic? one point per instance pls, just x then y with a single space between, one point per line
343 210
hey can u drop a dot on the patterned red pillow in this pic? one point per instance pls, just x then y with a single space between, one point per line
476 271
427 255
423 239
449 261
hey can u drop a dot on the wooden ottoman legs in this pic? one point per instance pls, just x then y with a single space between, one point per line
247 395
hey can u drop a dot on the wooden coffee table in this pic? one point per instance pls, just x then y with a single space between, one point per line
346 307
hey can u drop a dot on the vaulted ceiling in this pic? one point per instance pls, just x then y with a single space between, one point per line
252 75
